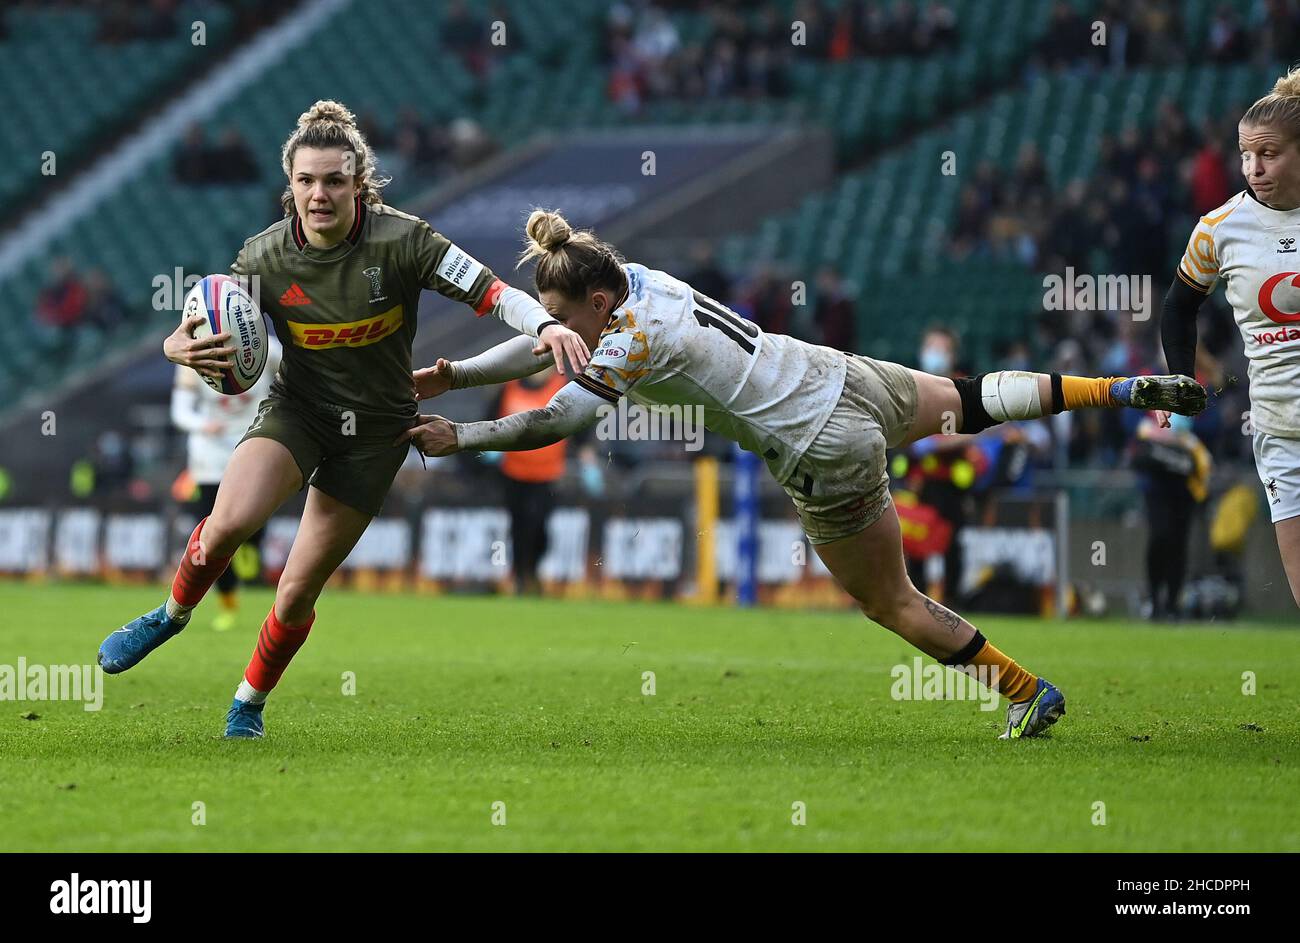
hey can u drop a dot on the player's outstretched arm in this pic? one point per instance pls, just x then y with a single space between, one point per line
510 360
570 410
447 269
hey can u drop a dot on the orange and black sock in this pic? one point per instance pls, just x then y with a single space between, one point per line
1012 682
1088 392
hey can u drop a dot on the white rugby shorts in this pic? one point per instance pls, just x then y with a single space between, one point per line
1278 462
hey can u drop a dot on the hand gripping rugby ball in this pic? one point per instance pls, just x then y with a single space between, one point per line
228 308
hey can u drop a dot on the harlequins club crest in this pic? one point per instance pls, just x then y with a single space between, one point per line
376 285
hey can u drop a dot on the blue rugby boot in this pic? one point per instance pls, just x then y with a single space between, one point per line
244 720
126 647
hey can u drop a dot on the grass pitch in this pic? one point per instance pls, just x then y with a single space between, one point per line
461 703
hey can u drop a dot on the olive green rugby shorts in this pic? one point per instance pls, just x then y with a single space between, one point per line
348 455
841 485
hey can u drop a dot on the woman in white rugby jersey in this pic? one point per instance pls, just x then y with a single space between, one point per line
821 419
1251 243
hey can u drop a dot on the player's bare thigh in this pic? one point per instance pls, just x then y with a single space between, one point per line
938 407
327 534
260 476
1288 544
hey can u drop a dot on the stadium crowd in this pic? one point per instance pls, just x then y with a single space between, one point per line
197 162
1152 33
72 300
748 53
1131 217
127 21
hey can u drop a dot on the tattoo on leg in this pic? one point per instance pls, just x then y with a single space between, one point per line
947 619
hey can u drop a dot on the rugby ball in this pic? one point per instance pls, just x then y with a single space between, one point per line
228 308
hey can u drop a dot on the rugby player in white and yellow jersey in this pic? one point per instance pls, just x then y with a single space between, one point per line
1252 243
820 418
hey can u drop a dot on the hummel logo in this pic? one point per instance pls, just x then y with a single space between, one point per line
294 296
1287 245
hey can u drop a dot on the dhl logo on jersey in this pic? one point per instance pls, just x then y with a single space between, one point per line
347 334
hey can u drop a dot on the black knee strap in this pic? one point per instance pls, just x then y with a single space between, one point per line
969 651
974 417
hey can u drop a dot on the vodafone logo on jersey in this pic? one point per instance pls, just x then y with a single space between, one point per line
1280 336
1269 307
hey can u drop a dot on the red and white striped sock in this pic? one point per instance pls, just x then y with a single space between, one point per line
194 577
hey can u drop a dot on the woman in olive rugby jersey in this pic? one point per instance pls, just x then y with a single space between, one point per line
340 277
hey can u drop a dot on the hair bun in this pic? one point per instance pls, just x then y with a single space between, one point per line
1288 85
548 231
327 111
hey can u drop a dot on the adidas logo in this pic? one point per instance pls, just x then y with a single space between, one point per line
294 296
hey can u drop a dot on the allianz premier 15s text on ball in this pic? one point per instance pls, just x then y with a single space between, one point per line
228 307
